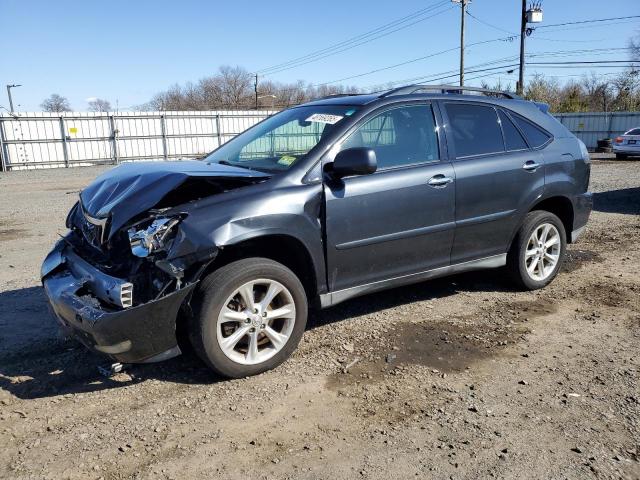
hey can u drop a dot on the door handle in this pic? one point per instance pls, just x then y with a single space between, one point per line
440 181
530 166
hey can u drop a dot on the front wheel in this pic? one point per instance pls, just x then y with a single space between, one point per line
537 251
249 317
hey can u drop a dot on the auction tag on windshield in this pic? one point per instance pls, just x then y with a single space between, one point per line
324 118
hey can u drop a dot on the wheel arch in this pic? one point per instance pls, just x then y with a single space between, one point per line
282 248
561 207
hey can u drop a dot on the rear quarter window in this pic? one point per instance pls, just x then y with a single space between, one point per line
536 137
512 137
633 131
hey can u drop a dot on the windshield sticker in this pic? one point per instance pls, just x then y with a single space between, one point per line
324 118
286 160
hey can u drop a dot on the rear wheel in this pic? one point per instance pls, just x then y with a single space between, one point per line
249 317
537 252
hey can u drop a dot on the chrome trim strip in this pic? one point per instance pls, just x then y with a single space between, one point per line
333 298
396 236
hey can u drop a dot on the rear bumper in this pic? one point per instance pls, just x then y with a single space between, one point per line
142 333
582 206
627 149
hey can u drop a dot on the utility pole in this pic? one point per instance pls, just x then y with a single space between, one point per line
463 11
9 87
532 15
523 34
255 88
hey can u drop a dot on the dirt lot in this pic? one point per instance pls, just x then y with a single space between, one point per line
456 378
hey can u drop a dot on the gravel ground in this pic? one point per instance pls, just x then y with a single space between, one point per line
462 377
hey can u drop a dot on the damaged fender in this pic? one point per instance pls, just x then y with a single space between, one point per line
220 221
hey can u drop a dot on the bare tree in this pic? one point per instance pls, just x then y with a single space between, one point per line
627 91
232 88
598 92
99 105
236 86
55 104
634 46
500 86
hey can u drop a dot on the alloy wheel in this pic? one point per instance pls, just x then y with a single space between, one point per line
543 251
256 321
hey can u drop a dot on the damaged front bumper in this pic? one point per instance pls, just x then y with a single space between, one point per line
140 333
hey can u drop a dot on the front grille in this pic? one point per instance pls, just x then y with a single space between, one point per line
93 229
91 232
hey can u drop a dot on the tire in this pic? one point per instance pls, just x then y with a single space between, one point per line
621 156
518 261
221 289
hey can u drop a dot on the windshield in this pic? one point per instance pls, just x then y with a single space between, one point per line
280 141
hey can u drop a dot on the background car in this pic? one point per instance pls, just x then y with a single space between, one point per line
627 145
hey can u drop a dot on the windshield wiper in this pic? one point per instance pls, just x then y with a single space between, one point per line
230 164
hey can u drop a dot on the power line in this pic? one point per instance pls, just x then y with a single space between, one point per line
407 62
362 39
453 73
413 60
582 66
489 24
580 62
595 20
552 53
540 65
359 37
555 25
315 59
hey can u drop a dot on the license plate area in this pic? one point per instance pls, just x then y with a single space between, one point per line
631 142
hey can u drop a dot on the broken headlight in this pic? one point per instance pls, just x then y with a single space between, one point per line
152 239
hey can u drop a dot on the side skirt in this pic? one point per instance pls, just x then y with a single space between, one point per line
333 298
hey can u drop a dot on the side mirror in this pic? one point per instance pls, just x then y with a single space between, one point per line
354 161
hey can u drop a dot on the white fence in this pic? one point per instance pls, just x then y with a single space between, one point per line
593 126
46 140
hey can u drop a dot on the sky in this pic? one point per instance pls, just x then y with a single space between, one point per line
126 51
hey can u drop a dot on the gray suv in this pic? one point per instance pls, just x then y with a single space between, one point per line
317 204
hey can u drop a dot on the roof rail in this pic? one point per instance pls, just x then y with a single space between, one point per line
447 89
336 95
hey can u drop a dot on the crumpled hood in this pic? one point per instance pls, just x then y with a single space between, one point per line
133 188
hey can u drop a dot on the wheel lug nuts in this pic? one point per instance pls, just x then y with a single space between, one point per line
262 326
248 320
255 310
264 314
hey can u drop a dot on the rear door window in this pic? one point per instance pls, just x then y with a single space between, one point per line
475 129
513 139
534 135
